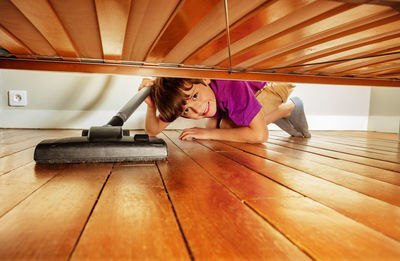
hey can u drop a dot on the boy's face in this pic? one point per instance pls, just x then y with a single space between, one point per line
201 102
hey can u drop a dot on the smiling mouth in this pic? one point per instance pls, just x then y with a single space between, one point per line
207 109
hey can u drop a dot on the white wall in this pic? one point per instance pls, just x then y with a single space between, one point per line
77 100
335 107
384 114
70 100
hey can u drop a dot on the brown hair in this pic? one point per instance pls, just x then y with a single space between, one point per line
169 97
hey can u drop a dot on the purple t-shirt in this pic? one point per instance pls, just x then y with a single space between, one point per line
236 100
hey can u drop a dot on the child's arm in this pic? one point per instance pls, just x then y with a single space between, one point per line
256 132
154 125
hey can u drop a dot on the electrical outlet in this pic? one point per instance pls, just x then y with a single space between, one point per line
17 98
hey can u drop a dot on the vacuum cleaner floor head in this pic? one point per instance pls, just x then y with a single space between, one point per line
139 148
109 143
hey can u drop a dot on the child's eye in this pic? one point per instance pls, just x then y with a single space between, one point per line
186 111
195 96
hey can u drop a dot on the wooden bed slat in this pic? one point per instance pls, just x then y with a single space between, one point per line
12 44
43 17
79 19
211 25
249 45
113 18
22 29
337 26
352 66
267 14
371 66
186 16
145 23
307 41
317 53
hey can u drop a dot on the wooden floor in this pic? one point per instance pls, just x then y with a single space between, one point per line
334 196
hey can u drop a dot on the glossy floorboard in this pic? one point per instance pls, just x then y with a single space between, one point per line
334 196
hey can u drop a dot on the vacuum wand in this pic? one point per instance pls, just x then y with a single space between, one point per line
129 108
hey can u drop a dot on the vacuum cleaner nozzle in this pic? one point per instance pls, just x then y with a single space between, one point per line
109 143
101 144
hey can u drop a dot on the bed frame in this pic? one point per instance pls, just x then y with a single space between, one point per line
354 42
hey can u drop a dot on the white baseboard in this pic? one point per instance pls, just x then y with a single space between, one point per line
384 124
334 122
337 122
21 118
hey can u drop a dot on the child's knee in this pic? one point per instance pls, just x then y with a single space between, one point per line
287 108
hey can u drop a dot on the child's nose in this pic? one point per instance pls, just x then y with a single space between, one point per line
196 106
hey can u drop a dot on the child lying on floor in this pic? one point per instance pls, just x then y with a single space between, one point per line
236 110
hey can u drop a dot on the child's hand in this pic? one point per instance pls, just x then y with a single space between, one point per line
145 83
194 133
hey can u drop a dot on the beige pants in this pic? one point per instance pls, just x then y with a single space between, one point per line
273 95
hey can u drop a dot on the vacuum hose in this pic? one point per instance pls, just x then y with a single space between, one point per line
126 111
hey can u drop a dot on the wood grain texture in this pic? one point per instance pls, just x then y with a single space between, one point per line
347 149
338 25
199 199
19 26
294 215
146 22
266 14
343 200
188 14
388 176
306 41
336 154
47 224
113 19
20 144
12 44
43 17
210 200
210 26
371 187
132 220
81 25
281 34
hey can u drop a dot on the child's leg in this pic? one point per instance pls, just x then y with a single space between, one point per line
275 108
298 118
278 117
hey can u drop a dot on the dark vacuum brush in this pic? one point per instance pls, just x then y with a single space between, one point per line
108 143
